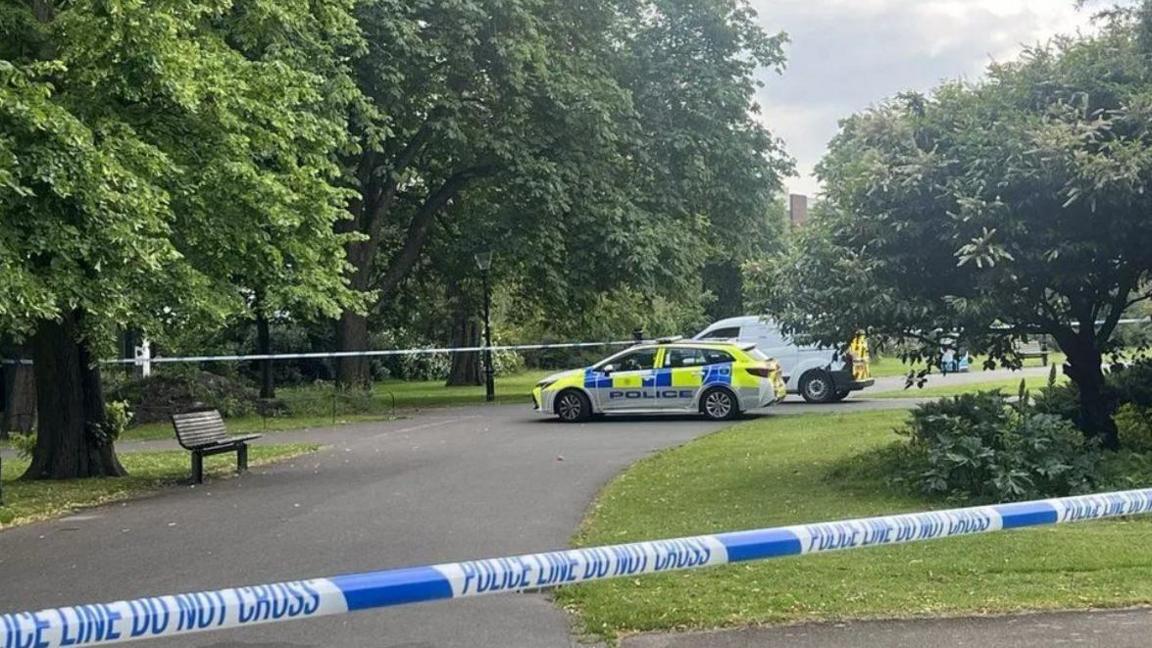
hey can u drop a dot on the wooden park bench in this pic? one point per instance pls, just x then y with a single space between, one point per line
1034 349
202 433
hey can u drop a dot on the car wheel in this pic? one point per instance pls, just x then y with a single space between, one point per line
573 406
817 387
719 405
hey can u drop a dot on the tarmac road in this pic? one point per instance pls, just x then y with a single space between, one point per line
442 486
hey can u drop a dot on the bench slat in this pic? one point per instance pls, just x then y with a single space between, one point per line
196 429
200 428
197 425
192 416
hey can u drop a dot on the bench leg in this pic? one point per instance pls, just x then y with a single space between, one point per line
242 458
197 468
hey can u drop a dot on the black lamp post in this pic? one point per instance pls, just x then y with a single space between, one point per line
484 262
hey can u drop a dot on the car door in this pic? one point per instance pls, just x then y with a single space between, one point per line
717 367
633 378
680 376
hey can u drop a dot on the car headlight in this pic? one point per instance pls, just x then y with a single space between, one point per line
545 384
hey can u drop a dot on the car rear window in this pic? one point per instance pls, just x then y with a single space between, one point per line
712 357
676 358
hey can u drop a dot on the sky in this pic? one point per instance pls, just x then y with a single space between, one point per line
846 55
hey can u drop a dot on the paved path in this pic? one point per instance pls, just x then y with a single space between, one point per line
894 383
441 486
793 405
446 485
1117 629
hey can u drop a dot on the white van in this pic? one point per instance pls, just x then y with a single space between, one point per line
818 374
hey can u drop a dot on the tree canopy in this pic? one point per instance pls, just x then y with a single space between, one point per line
158 162
171 166
606 144
996 210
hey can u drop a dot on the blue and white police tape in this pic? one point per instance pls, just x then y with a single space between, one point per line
349 354
145 618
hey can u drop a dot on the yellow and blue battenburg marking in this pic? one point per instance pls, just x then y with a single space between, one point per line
595 380
147 618
681 377
718 374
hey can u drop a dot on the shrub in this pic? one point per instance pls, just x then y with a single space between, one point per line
430 366
423 366
24 444
1135 427
324 399
507 362
159 396
1131 383
118 417
978 448
1125 385
1124 470
1061 400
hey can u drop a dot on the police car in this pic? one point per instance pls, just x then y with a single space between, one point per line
819 374
717 379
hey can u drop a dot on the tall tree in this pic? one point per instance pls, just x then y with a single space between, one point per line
1009 208
146 152
612 142
450 86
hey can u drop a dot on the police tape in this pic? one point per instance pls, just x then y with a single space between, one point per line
320 355
162 616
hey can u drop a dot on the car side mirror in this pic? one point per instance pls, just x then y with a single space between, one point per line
607 369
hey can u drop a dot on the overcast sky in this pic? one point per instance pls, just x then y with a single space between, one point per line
848 54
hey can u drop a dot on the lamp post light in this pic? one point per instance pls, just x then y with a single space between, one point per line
484 262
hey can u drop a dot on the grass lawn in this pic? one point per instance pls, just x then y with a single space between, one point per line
255 424
787 470
935 389
887 366
514 388
26 501
314 407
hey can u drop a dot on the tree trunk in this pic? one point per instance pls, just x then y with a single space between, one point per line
352 335
264 347
19 399
1085 369
7 389
466 367
371 210
71 441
